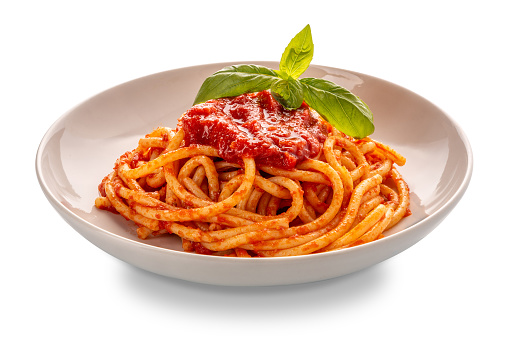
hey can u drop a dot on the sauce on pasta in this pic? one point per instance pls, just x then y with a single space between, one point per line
255 125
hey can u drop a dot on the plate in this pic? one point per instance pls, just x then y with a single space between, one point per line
80 148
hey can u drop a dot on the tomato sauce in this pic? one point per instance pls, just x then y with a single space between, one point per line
255 125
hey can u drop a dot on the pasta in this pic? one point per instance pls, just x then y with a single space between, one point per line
346 194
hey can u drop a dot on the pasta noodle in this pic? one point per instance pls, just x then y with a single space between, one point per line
346 195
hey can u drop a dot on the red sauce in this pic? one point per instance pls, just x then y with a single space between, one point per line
255 125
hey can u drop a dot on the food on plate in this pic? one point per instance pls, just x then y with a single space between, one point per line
263 164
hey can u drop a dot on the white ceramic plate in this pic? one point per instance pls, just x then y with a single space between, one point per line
81 147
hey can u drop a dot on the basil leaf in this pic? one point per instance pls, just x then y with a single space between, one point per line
298 54
337 105
235 80
282 74
289 93
341 108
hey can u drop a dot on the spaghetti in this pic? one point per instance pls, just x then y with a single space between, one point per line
241 177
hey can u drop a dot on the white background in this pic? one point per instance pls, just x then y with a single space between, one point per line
55 54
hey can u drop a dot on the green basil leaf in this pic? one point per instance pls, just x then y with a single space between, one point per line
341 108
282 74
289 93
236 80
298 54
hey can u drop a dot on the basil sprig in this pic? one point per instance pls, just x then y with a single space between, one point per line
341 108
